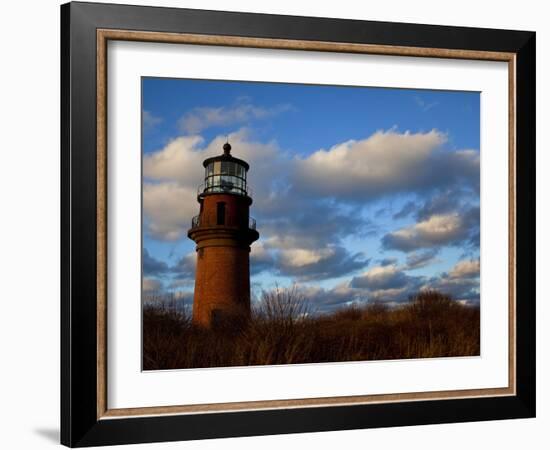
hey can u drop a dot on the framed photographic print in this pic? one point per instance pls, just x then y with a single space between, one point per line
276 224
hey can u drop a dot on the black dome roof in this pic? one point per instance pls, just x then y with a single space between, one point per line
226 156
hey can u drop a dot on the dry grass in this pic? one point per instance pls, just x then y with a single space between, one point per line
283 331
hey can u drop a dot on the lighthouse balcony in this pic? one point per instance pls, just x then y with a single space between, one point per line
196 222
224 188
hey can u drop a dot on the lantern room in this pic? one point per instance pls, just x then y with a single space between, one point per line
225 174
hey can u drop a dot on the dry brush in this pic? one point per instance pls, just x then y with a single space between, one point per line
284 330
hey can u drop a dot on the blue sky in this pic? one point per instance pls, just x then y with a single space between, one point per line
360 193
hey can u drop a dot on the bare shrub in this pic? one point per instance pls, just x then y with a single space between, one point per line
375 311
428 303
350 312
283 307
283 330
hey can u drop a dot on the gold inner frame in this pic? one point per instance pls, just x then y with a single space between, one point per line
104 35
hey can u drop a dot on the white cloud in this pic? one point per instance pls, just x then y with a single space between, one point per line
437 227
150 121
461 282
259 251
151 285
465 269
201 118
437 230
180 160
181 283
187 264
389 295
385 161
423 104
420 259
300 257
381 278
168 209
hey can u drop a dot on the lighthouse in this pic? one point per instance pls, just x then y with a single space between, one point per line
223 232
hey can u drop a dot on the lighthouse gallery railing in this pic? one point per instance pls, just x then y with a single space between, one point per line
196 221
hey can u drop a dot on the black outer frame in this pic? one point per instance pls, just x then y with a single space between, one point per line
79 424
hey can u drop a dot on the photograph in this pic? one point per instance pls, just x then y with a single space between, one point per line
278 222
301 224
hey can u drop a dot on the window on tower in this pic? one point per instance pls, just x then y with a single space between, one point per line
220 219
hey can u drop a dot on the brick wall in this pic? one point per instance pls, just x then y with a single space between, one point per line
222 280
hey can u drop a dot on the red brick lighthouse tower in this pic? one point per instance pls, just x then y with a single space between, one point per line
223 232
